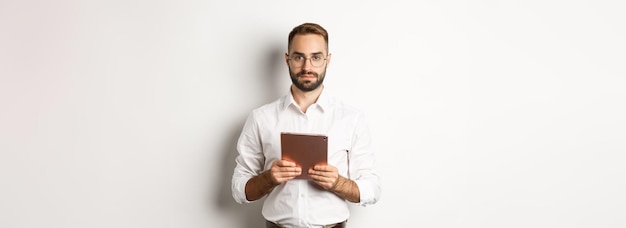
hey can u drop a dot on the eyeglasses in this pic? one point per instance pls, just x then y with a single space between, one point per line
316 60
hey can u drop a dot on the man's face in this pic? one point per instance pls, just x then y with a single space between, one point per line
305 75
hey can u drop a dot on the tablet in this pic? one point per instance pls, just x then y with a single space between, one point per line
306 150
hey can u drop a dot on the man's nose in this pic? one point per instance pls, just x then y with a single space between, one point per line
307 65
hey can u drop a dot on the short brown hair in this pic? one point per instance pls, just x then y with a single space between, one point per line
308 28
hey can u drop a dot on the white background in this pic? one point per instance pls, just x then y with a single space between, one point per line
483 113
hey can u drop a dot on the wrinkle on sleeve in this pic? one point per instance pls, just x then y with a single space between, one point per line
249 161
363 164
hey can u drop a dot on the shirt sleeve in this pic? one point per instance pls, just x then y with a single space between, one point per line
249 161
362 164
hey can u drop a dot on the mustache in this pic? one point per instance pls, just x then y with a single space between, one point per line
306 72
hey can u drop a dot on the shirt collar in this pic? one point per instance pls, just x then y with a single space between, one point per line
323 101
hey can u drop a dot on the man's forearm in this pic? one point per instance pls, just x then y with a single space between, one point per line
259 186
347 189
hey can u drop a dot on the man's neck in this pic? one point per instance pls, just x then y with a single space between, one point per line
304 99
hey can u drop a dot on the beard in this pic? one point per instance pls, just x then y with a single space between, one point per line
307 85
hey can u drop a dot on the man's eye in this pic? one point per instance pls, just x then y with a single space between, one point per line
298 58
317 57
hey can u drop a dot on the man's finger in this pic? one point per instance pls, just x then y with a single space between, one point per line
285 163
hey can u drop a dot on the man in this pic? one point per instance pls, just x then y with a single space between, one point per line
322 200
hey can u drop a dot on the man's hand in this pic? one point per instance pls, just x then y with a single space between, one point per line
282 171
325 176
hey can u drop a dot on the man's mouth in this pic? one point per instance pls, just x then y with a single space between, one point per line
307 75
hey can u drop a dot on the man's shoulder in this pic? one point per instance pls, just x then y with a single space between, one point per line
331 98
345 107
271 106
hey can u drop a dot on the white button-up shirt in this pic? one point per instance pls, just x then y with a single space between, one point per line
301 203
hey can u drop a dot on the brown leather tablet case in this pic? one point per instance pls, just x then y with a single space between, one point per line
306 150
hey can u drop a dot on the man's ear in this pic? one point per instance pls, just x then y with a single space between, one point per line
287 58
328 58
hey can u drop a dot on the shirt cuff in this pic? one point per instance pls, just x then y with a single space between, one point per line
366 192
239 190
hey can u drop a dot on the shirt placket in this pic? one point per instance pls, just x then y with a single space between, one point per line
303 123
